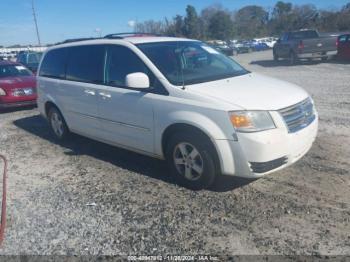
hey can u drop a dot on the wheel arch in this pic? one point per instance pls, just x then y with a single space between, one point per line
185 127
48 106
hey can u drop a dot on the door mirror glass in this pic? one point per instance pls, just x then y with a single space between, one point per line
137 80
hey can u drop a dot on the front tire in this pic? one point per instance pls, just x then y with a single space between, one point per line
192 160
58 124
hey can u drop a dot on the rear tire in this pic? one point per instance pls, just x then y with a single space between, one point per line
58 124
191 158
293 59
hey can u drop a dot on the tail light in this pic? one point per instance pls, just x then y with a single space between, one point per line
337 42
301 45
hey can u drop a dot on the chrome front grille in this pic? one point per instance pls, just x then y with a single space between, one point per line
299 115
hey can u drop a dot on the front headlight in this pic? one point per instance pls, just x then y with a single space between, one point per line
251 121
2 92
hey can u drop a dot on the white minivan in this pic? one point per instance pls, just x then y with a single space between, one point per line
179 100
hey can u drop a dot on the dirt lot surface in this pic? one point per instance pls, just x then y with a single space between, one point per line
86 197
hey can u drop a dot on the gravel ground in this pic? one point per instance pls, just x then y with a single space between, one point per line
86 197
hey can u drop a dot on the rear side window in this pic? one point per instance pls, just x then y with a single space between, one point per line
86 63
54 64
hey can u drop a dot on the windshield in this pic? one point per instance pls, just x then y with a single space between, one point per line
13 70
189 62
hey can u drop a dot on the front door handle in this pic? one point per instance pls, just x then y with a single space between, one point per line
105 95
89 92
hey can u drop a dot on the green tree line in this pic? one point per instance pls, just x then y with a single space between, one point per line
217 22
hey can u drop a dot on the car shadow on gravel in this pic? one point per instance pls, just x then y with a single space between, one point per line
78 145
273 63
16 109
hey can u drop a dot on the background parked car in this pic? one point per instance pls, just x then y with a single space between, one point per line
226 49
269 41
5 56
244 47
17 85
259 46
30 60
343 45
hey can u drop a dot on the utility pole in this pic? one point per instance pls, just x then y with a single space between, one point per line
36 23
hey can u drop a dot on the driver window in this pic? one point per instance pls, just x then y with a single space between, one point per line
121 61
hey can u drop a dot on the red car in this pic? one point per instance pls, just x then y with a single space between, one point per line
17 85
343 44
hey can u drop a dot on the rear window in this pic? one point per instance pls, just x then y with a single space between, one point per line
34 58
86 64
13 71
54 64
303 35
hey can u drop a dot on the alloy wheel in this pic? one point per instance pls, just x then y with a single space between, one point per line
57 124
188 161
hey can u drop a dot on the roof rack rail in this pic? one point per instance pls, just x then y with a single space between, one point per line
76 40
131 34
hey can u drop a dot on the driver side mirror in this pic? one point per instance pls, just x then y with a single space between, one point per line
137 80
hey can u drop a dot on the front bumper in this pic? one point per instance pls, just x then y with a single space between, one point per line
261 153
17 104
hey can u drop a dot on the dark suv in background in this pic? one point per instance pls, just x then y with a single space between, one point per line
29 59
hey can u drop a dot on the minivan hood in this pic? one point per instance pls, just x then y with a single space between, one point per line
252 92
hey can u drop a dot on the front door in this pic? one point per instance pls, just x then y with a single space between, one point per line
126 114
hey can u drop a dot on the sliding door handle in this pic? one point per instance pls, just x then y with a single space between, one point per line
89 92
105 95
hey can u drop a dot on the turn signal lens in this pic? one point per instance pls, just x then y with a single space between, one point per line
239 121
251 121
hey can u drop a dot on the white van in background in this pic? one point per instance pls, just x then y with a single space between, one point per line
179 100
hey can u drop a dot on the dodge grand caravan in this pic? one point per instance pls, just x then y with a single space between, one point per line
178 100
